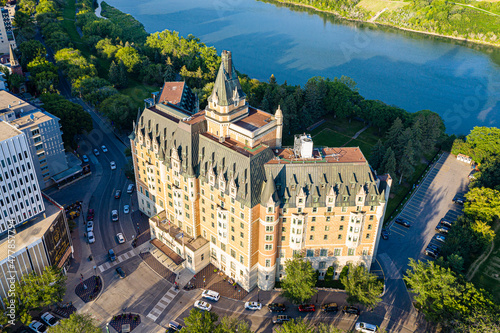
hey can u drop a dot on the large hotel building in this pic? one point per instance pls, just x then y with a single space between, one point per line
219 188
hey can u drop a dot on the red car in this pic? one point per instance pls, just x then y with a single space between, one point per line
90 214
307 308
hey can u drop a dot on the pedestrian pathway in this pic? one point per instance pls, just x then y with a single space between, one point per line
162 304
119 259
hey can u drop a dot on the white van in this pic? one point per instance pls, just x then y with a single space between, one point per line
211 295
365 327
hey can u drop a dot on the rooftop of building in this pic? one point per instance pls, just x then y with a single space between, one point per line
171 92
196 118
30 120
256 119
7 131
237 146
162 222
32 230
320 155
9 101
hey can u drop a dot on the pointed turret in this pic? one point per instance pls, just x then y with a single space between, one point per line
269 190
227 89
12 56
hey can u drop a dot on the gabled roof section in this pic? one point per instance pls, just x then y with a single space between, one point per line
227 88
269 190
171 93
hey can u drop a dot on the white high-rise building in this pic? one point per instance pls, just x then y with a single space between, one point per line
20 196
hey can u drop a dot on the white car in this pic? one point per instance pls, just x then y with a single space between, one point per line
96 152
50 319
211 295
85 158
120 238
126 209
104 149
114 215
253 306
37 326
112 164
91 237
441 238
365 327
90 227
202 305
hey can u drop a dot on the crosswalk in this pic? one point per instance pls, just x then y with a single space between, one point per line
119 259
162 304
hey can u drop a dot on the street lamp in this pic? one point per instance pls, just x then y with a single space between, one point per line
258 295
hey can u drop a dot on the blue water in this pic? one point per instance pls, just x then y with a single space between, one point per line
413 71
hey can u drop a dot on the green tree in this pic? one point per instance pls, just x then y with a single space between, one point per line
406 164
485 143
200 322
232 325
120 109
377 155
169 74
490 174
483 204
15 81
297 325
74 64
362 287
76 323
394 135
479 322
130 58
298 284
328 328
31 49
389 163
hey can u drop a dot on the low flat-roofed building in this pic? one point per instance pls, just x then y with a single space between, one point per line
41 242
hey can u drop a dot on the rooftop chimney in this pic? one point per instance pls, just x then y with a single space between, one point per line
226 59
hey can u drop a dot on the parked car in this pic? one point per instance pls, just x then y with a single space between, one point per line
446 222
441 238
49 319
91 237
90 226
276 307
120 272
330 307
350 309
434 248
120 238
118 194
442 229
459 199
403 222
114 215
174 325
111 255
307 308
385 234
90 214
112 164
211 295
130 188
126 209
280 319
365 327
431 253
96 152
203 305
37 326
85 158
104 149
253 306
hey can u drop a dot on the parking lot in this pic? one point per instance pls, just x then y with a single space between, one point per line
432 201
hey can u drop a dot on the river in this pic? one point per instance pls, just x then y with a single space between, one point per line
414 71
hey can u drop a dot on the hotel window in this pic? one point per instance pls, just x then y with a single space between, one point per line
342 218
269 238
223 247
371 217
268 247
369 227
344 209
367 236
310 253
339 237
242 260
325 237
313 219
328 219
213 240
268 262
269 218
350 252
242 226
311 237
242 235
283 229
233 253
337 252
372 208
283 220
269 228
315 210
327 228
312 228
323 252
365 251
283 238
242 216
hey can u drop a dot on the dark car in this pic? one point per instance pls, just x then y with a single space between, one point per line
330 307
385 234
351 310
111 255
121 272
446 222
459 199
403 222
276 307
442 229
307 308
280 319
90 214
433 248
118 194
431 253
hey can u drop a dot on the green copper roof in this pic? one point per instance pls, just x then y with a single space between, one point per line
227 88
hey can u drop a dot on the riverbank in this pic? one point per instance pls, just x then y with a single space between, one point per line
373 21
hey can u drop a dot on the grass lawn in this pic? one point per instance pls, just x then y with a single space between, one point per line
138 92
330 138
487 276
375 6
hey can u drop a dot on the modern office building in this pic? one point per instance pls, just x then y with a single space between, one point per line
6 34
219 188
20 196
43 133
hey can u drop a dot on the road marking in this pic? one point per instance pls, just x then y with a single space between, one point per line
158 309
119 259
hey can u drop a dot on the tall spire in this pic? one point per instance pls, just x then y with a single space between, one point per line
13 59
227 89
